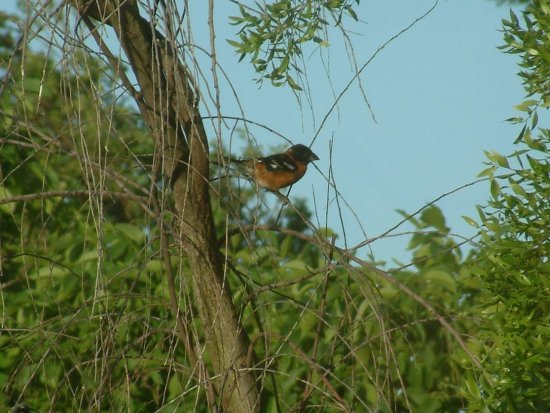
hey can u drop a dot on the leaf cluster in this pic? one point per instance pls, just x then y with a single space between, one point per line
274 34
512 261
515 279
526 37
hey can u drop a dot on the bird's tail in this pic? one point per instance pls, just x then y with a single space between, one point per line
234 167
220 160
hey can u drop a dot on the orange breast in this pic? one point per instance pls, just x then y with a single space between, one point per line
274 180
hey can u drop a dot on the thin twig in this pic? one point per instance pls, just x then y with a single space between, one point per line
73 193
358 72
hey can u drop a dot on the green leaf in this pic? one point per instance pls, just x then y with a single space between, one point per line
32 85
434 217
5 194
535 165
293 84
286 245
534 120
526 106
154 266
481 214
442 278
235 44
518 189
470 221
495 189
284 64
487 171
515 120
352 13
133 232
497 158
388 291
521 134
408 216
74 252
51 271
175 387
89 256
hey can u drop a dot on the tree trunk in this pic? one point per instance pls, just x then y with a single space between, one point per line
168 104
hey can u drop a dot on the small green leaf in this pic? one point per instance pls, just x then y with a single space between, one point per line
518 189
352 13
234 43
535 165
488 171
495 189
434 217
526 106
154 266
521 134
292 83
133 232
284 64
515 119
442 278
5 194
534 120
388 291
513 18
470 221
498 159
481 214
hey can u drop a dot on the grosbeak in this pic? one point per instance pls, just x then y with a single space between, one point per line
276 171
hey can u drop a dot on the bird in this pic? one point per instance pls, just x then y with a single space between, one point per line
276 171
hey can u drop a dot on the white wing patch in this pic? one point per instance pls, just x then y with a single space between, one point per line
279 164
289 165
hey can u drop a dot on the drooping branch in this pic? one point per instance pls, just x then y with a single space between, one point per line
168 103
347 255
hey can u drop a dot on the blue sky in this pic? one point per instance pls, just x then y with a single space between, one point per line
440 94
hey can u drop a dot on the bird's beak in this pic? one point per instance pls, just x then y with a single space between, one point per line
313 157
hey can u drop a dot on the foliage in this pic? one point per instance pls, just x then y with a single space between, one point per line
274 34
514 271
430 362
501 2
512 263
80 289
527 39
86 320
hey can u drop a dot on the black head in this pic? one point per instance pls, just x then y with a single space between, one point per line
302 153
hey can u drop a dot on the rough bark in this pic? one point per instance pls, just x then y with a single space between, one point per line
168 104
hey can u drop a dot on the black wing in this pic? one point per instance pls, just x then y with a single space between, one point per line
279 162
